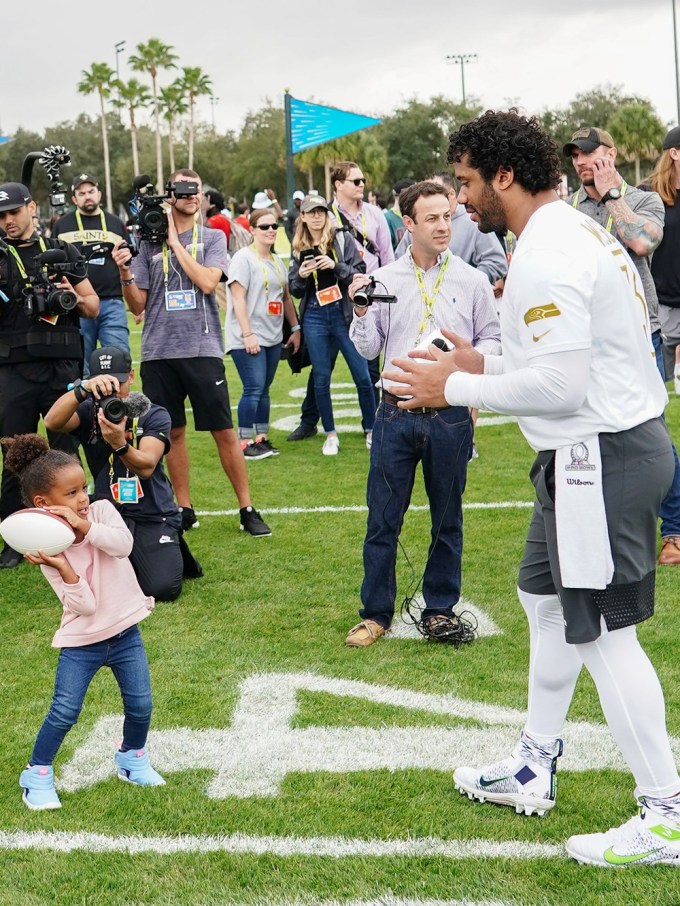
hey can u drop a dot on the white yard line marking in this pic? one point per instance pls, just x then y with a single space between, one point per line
358 508
243 844
261 747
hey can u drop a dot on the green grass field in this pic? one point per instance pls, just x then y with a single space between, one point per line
277 799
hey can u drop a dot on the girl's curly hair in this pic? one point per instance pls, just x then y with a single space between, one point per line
508 139
28 456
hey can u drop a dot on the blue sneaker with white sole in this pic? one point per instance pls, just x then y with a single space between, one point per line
134 767
37 782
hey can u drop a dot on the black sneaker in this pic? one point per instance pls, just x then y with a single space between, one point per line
302 432
268 446
253 524
257 450
189 519
9 558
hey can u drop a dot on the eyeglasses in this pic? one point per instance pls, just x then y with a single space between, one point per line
267 226
358 182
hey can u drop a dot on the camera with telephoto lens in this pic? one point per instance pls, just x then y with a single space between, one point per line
367 295
148 209
41 297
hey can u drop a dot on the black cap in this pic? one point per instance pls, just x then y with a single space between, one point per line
112 361
13 195
79 180
588 139
402 184
672 140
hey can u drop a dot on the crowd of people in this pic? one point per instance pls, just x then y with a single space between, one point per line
505 299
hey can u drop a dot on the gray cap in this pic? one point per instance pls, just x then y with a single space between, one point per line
13 195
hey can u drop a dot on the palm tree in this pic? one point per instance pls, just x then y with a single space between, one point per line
637 132
173 105
151 57
133 95
98 80
195 83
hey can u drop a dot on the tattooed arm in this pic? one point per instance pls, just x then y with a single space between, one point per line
640 230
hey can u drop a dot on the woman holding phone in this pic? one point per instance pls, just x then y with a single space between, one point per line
322 265
258 302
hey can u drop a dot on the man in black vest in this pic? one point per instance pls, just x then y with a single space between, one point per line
40 345
89 227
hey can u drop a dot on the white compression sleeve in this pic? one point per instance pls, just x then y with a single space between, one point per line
554 384
633 705
554 666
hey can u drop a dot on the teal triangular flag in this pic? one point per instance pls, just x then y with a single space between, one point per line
314 124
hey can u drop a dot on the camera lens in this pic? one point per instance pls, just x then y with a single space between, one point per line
154 220
361 298
114 410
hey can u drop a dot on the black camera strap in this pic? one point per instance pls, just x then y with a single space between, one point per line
361 238
20 264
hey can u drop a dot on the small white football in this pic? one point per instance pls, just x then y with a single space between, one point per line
33 530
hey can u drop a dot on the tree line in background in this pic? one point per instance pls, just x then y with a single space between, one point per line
411 141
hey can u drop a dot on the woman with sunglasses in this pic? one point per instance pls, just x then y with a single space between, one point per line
322 265
258 301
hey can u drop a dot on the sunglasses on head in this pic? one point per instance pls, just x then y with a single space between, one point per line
267 226
361 181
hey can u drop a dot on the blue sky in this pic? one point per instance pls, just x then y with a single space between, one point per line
363 57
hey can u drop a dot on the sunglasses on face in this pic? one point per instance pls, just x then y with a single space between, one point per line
267 226
361 181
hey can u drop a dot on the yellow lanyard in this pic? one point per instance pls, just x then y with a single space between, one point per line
280 273
79 221
133 431
20 264
428 300
610 219
194 249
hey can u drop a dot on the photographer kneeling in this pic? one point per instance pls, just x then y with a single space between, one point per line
125 454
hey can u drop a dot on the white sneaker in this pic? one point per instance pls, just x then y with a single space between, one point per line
331 446
524 784
649 838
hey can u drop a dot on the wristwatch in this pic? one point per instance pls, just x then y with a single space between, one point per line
611 195
121 451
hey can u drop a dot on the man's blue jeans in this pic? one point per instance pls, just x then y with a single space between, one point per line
257 373
325 329
126 657
441 440
109 327
670 508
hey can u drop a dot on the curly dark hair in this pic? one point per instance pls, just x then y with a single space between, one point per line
30 458
508 139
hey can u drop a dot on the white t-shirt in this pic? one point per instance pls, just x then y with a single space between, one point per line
264 280
571 286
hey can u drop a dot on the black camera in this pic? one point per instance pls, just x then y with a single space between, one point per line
148 210
367 295
117 408
41 296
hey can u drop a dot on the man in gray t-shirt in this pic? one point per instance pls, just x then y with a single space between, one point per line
173 283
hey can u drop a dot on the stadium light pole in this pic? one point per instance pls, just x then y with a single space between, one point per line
213 101
677 69
461 59
119 47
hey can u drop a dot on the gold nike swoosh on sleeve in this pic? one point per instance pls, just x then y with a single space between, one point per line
540 336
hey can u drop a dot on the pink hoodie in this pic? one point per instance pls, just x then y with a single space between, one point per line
107 598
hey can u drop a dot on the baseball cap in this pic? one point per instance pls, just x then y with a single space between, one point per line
261 200
298 195
112 361
310 202
13 195
79 180
672 140
402 184
587 139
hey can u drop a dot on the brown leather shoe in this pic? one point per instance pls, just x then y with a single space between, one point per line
364 634
670 551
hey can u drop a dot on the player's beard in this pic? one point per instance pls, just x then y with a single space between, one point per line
490 213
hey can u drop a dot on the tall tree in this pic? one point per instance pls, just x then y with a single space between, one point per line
151 57
195 84
637 133
173 105
133 96
98 80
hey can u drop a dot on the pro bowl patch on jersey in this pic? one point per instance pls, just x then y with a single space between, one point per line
539 312
579 459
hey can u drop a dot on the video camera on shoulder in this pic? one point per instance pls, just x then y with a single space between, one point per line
41 296
148 209
367 295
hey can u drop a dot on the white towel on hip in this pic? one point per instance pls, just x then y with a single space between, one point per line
581 521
